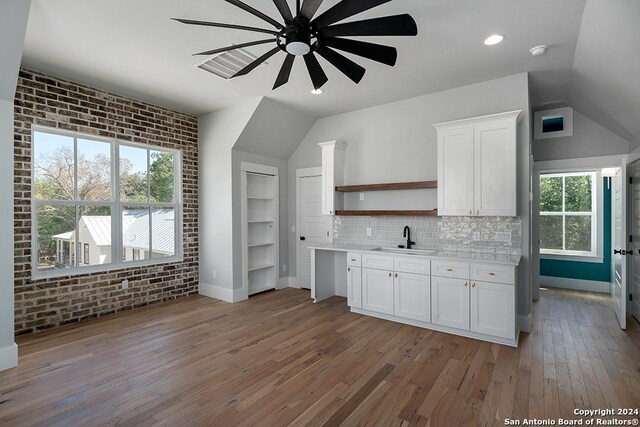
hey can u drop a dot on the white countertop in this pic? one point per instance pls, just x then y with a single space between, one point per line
452 255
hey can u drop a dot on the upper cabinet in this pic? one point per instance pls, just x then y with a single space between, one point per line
332 175
477 166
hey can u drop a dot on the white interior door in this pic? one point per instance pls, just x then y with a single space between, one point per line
618 206
634 282
313 227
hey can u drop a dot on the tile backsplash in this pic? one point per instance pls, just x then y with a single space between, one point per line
496 235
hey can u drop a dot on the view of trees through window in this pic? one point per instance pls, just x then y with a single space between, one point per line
75 203
567 213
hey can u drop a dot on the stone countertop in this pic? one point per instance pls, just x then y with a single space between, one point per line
449 255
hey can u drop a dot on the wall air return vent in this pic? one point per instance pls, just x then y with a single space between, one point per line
228 63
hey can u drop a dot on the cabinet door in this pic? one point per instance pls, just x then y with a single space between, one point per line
328 185
412 296
354 287
377 290
450 302
493 309
455 171
495 169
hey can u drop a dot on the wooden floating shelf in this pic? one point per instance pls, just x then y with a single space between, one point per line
433 212
388 186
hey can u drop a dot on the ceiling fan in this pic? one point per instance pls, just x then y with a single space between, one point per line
304 35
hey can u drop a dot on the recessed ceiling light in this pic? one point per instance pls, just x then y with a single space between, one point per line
494 39
317 91
538 50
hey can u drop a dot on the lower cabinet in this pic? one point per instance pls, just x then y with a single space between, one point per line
377 290
450 302
412 296
354 287
493 309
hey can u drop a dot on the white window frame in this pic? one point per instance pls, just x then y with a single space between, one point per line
115 204
597 226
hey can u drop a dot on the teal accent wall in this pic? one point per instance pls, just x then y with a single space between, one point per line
600 272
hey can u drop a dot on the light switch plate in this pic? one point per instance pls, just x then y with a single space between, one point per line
368 231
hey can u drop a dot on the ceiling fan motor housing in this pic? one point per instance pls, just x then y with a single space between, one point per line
298 37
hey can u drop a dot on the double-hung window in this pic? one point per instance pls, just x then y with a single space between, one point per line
569 219
96 202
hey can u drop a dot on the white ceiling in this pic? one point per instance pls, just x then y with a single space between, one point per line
133 48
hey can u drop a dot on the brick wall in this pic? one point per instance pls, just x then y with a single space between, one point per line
49 101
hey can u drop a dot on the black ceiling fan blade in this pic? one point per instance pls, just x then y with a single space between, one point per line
221 25
285 71
254 64
349 68
309 8
376 52
284 10
343 10
236 46
318 77
255 12
396 25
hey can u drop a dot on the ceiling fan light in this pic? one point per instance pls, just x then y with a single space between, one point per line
298 48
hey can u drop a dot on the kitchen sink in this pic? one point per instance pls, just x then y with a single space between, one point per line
405 251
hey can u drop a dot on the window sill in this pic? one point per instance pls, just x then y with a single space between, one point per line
575 258
102 269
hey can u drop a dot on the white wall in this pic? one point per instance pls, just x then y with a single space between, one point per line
589 139
13 24
217 133
238 157
397 142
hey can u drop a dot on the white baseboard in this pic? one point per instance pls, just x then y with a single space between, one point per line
575 284
524 322
8 357
287 282
223 294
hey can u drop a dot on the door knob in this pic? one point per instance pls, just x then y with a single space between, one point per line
303 238
617 251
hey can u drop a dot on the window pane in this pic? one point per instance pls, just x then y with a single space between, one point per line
550 194
578 193
94 170
94 238
578 229
551 232
133 174
161 174
53 166
135 233
162 232
56 237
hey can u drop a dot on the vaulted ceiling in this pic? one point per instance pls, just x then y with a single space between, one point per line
133 48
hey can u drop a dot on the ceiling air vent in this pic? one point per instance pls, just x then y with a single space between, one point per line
228 63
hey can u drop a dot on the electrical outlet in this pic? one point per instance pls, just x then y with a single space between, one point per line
125 284
476 235
293 228
368 231
284 268
361 196
502 236
214 275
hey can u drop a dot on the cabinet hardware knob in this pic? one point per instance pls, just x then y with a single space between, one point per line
470 212
348 268
449 269
389 274
396 274
478 212
465 284
474 285
492 274
353 259
331 212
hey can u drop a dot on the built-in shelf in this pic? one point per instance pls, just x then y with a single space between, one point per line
260 267
255 245
433 212
388 186
260 197
260 221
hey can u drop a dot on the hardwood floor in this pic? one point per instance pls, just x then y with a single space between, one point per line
278 359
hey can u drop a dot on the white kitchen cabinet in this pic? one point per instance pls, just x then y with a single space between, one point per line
493 309
450 302
477 161
377 290
332 175
354 287
412 296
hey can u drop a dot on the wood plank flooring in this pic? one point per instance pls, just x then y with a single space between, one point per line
279 360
